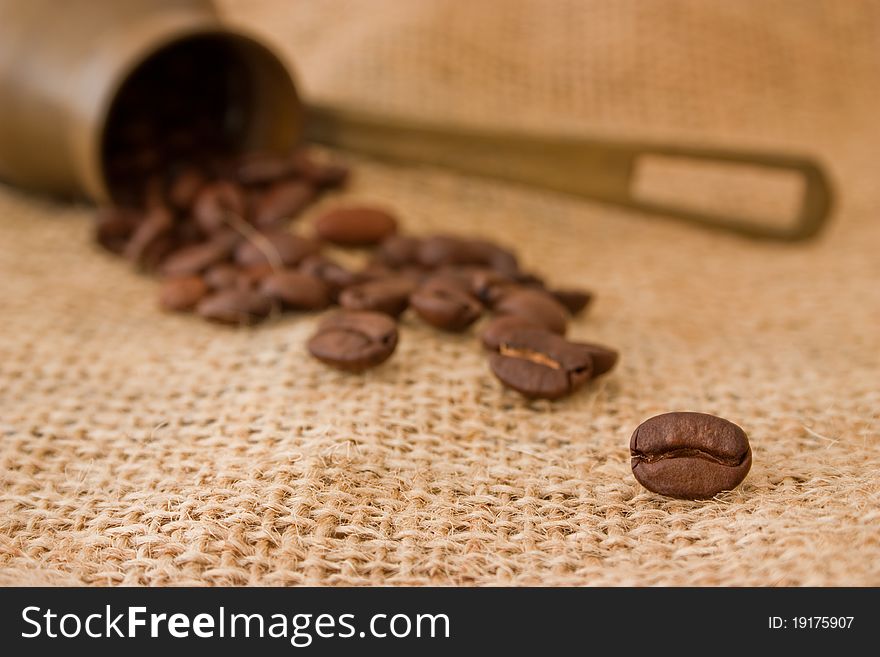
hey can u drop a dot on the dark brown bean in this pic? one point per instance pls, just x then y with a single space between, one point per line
185 187
281 202
398 251
324 174
497 329
296 290
263 168
604 358
354 341
572 298
385 295
115 226
541 365
197 258
253 275
355 225
155 225
267 247
536 306
689 455
182 293
222 276
335 276
489 286
235 306
444 305
217 205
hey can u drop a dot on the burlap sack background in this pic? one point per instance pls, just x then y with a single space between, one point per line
145 449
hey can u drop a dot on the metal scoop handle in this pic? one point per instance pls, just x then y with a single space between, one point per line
597 169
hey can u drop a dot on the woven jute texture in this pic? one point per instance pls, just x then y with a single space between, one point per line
141 448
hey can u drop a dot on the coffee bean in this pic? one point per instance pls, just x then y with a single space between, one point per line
281 202
444 305
536 306
278 245
155 225
196 259
222 276
185 188
217 205
182 293
398 251
324 174
604 358
541 365
498 328
296 290
386 295
235 306
489 286
689 455
355 225
335 276
253 275
115 226
573 299
354 341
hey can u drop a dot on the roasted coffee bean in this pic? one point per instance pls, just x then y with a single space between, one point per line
335 276
444 305
185 188
689 455
217 205
536 306
573 299
115 226
196 259
281 202
277 247
541 365
253 275
222 276
498 328
604 358
295 290
355 225
153 227
323 174
235 306
398 251
489 286
354 341
385 295
182 293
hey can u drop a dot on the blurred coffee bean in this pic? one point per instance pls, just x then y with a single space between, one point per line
497 329
185 187
443 304
536 306
278 245
385 295
398 251
196 259
295 290
281 202
216 204
573 299
155 224
235 306
355 225
182 293
222 276
354 340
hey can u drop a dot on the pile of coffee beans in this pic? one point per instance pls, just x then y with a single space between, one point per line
217 235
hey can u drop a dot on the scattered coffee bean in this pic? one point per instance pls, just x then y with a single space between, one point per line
115 226
573 299
277 247
335 276
222 276
604 358
354 341
355 225
217 204
196 259
498 328
182 293
282 201
398 251
153 227
264 168
385 295
535 305
444 305
489 286
295 290
235 306
689 455
541 365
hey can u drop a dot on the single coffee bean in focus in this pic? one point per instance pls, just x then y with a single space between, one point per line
354 340
689 455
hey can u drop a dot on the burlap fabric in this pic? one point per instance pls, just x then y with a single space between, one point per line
140 448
